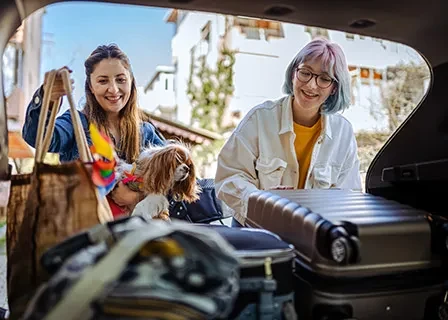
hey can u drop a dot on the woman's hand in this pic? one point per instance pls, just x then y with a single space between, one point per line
58 90
125 197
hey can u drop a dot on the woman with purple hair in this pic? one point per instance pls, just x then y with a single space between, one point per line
299 141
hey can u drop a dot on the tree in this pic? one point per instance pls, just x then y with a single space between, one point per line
401 92
209 90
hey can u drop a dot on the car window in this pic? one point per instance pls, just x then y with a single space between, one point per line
198 74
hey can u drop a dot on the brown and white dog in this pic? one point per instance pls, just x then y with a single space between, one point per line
161 171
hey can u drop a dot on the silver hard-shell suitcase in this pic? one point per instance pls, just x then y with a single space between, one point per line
358 256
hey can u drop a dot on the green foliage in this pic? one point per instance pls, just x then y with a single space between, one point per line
209 90
207 154
401 93
369 143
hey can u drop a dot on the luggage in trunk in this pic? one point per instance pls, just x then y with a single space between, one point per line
265 266
136 269
358 256
266 274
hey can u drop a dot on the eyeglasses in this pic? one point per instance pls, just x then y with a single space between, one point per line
323 81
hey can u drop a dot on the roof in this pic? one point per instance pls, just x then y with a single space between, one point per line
185 132
171 16
18 148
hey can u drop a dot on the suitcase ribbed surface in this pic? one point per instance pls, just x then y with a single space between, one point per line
388 236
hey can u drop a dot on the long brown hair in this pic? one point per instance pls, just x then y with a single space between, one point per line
129 145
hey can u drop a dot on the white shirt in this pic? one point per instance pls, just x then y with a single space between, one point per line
260 154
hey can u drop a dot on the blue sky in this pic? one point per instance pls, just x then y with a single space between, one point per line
71 31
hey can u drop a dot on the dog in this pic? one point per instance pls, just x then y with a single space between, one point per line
158 172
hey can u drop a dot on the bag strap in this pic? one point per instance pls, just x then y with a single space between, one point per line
106 271
40 139
43 142
80 136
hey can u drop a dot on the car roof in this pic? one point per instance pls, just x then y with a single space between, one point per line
419 24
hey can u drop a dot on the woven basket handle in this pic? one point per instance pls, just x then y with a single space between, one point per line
43 142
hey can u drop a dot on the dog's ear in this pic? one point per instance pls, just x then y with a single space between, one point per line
158 171
188 189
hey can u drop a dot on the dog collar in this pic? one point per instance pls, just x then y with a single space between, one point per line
132 181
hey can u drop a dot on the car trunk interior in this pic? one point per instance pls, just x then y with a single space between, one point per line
412 167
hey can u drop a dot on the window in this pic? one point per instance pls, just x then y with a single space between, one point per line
258 29
261 48
252 33
275 30
316 32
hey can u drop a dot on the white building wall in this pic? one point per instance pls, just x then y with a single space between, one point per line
161 94
22 57
260 66
32 53
360 113
188 36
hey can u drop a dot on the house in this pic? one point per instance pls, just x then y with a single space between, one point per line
175 130
21 70
158 96
21 65
263 49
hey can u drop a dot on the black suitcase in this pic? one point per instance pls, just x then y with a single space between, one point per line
358 256
266 274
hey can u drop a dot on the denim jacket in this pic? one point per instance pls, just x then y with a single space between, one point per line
63 140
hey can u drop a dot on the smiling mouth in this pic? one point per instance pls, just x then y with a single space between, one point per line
309 95
113 99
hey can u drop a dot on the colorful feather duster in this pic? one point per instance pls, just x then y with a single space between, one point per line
104 161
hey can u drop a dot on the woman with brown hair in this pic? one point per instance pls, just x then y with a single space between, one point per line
111 104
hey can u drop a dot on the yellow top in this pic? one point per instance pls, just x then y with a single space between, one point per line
305 139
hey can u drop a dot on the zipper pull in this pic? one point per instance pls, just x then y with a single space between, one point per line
268 268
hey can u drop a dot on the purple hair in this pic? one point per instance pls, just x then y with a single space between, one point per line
334 62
